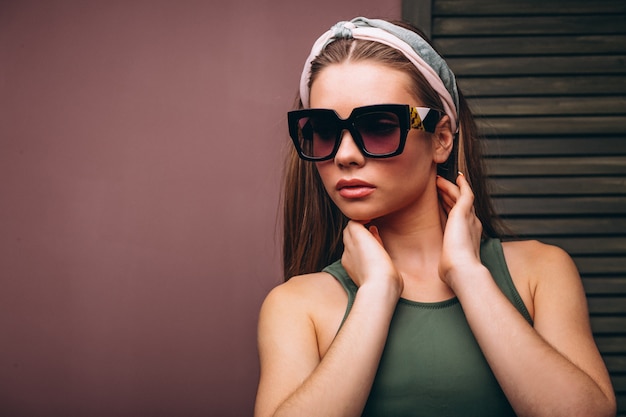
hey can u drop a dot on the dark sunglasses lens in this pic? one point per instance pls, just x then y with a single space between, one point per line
380 132
317 135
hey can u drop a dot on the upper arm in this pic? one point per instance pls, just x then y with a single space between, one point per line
560 310
287 345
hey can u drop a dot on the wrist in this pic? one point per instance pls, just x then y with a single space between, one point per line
381 291
466 275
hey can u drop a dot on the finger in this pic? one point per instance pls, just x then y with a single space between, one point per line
374 231
449 199
466 195
448 193
446 204
464 185
357 233
349 231
448 188
355 225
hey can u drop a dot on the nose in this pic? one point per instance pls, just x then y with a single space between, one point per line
348 152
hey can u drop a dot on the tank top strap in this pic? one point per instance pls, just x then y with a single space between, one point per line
336 270
491 255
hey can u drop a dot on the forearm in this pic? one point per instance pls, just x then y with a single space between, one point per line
536 378
340 384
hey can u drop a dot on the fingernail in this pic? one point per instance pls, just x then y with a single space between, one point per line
460 173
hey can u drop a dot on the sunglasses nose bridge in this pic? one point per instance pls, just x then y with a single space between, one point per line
344 126
346 148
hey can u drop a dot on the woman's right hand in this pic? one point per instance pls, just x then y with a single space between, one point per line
365 258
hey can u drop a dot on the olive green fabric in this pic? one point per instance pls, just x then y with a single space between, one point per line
432 364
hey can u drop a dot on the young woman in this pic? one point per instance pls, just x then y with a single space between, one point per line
400 300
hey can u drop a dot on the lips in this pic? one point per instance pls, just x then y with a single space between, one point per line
354 188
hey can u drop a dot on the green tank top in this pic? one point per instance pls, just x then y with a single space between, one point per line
432 364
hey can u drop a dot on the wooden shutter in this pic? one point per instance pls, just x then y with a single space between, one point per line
547 80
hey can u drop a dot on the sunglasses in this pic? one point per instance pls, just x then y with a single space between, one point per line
379 131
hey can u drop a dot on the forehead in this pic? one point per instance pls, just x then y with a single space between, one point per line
344 86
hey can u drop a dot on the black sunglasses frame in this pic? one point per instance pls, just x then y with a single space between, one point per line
408 118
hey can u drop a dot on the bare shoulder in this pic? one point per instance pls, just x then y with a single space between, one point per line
304 293
536 259
534 249
537 267
313 301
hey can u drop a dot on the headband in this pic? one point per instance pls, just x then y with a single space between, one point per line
415 48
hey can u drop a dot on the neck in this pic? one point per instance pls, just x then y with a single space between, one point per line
414 240
417 238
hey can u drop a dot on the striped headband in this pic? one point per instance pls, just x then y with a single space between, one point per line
429 63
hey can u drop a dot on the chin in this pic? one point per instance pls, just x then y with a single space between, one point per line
361 217
359 211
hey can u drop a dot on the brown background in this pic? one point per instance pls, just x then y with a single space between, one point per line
140 157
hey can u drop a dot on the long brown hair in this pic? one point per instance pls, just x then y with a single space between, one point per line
312 236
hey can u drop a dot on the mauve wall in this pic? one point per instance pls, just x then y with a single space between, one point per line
140 155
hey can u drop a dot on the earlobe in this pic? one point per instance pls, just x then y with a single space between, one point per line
443 140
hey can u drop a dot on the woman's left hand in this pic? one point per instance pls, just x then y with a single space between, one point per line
463 230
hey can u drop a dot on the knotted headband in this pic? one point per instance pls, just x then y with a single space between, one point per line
415 48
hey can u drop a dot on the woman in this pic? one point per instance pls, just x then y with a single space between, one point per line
400 299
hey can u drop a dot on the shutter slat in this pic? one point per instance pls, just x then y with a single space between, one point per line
583 186
531 45
560 65
616 363
615 265
605 286
577 245
546 146
611 344
530 25
543 228
553 125
526 7
607 305
525 206
621 403
594 165
543 85
608 325
529 106
619 383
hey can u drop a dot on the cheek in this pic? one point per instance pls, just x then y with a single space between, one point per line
409 173
418 153
324 170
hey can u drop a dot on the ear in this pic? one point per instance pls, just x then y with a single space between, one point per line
443 139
